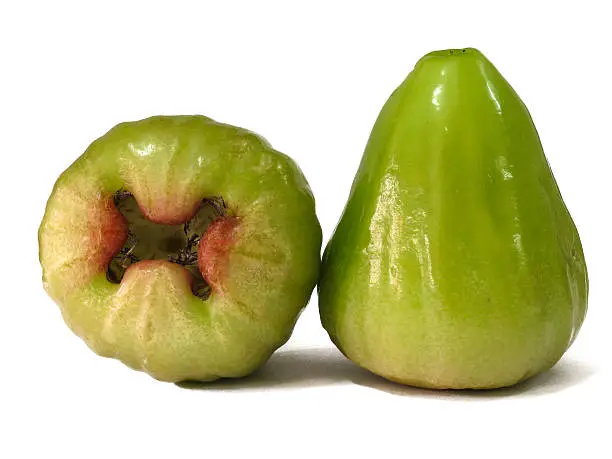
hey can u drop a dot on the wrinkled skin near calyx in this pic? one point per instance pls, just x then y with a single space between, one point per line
456 263
261 275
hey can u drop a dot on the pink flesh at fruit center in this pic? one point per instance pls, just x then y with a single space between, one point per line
213 251
108 230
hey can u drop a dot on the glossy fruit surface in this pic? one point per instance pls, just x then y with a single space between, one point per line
456 263
184 247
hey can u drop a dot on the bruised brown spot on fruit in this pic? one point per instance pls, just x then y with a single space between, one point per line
213 253
147 240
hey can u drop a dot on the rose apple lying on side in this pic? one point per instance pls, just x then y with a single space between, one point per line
184 247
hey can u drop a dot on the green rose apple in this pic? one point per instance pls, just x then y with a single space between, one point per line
456 263
184 247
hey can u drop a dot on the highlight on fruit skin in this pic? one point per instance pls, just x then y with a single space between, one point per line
184 247
455 263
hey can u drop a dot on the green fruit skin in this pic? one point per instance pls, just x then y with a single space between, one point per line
152 321
456 263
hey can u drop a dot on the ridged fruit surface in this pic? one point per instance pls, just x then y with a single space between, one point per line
261 262
455 263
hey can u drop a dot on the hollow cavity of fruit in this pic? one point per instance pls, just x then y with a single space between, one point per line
147 240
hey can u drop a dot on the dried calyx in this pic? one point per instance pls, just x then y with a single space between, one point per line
147 240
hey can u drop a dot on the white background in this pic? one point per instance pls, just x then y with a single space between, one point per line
311 77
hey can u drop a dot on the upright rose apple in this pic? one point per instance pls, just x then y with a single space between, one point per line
455 264
184 247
